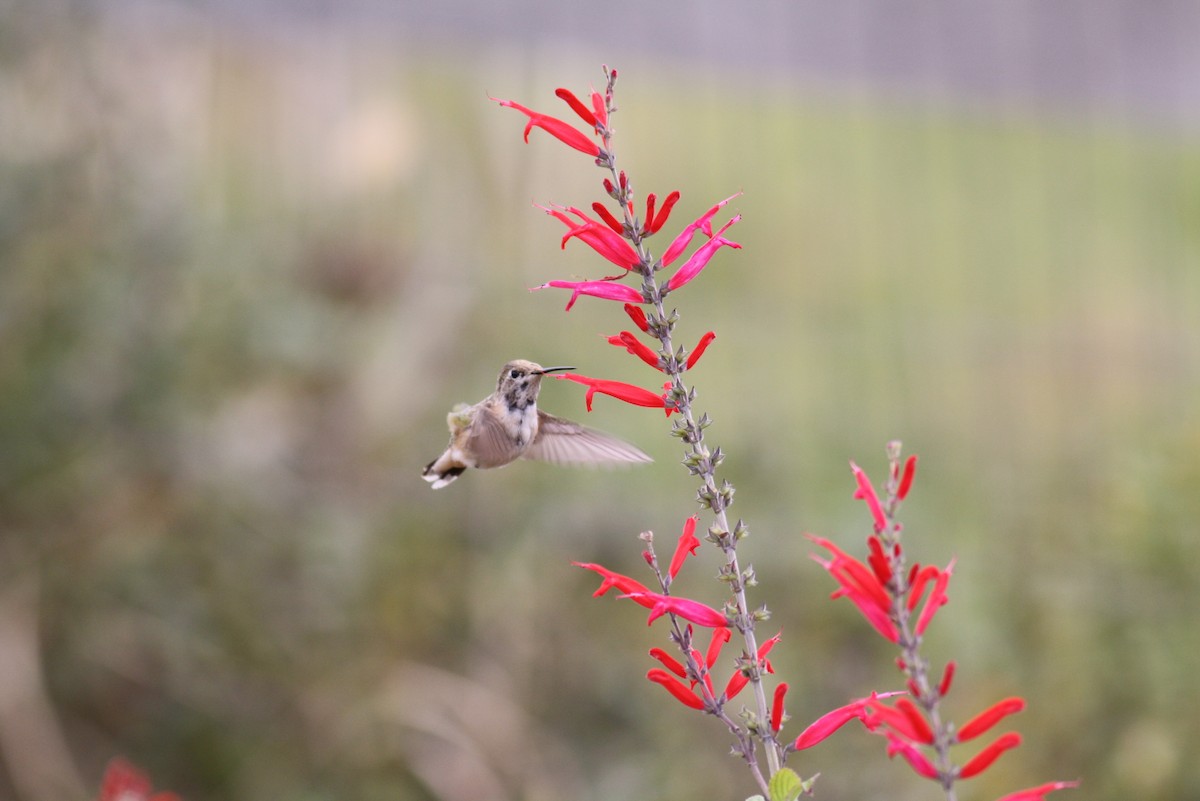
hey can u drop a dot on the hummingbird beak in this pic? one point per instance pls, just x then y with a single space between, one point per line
554 369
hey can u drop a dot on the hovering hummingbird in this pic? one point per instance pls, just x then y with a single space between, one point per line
508 425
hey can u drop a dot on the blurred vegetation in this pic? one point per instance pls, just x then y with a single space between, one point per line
243 275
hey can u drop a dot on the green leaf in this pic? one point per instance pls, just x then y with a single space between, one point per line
785 785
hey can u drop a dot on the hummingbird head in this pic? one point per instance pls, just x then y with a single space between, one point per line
521 380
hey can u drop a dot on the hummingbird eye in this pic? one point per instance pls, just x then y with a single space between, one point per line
514 374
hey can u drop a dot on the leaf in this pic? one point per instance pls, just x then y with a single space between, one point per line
785 785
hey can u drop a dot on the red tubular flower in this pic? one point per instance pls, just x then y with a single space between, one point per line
989 717
720 636
947 677
702 223
562 131
984 759
904 720
1038 793
687 545
867 492
675 688
599 108
618 389
699 260
686 608
698 351
609 290
669 662
937 599
831 721
859 584
777 707
583 111
739 679
628 586
631 343
125 782
879 561
906 480
918 578
912 755
638 316
603 239
612 222
654 223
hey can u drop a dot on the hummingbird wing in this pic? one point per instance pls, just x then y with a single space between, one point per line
489 443
561 441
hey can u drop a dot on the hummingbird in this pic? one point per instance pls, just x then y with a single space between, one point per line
507 425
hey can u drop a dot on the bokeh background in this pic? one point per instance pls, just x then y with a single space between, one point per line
251 251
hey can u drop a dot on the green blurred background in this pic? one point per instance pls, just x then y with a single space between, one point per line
250 254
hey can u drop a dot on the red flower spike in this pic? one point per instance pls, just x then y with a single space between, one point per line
682 694
867 493
947 677
607 216
123 781
989 717
598 107
635 346
689 610
608 290
912 755
669 662
618 389
698 351
937 599
860 585
720 636
910 470
583 111
984 759
599 236
638 316
653 226
687 545
703 222
1038 793
777 707
628 586
562 131
699 260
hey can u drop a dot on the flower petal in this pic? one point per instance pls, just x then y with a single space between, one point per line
618 389
1038 793
564 132
609 290
703 222
989 717
984 759
687 545
699 260
682 694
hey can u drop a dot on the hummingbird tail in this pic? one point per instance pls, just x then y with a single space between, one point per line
440 477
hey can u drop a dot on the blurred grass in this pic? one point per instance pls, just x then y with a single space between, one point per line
244 278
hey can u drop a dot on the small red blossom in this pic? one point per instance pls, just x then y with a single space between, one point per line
698 351
858 583
609 290
699 260
682 694
618 389
904 719
627 586
912 755
702 223
598 106
947 678
1038 793
920 576
906 480
777 707
984 759
720 636
989 717
655 223
867 493
739 679
598 235
686 608
937 599
631 343
562 131
879 561
638 316
123 781
612 222
585 113
687 546
669 662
